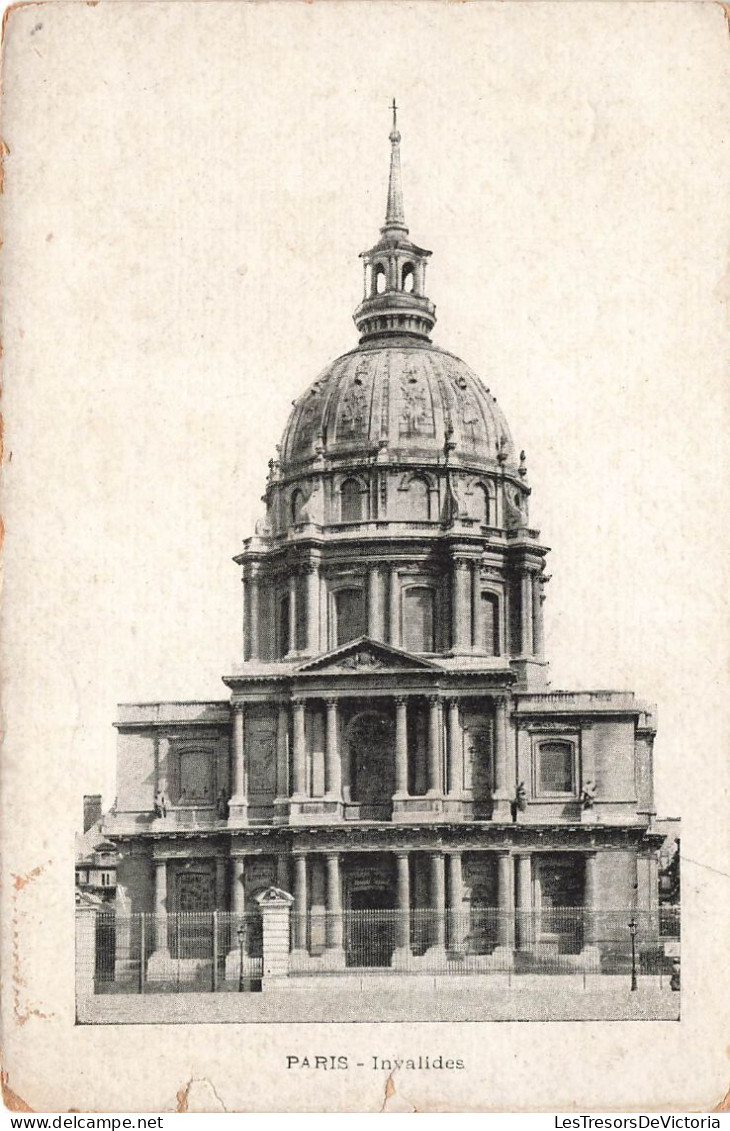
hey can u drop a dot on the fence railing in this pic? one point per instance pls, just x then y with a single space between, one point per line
186 951
557 940
219 951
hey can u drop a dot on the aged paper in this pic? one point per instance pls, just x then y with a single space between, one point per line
187 187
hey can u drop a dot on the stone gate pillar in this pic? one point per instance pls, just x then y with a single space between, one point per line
85 952
275 906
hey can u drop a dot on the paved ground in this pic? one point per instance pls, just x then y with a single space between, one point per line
477 999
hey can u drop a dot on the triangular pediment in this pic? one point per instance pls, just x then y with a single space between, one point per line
365 655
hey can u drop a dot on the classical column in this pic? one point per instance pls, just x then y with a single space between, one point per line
501 783
161 908
375 604
312 576
457 924
438 898
334 901
454 784
300 900
163 766
293 586
434 745
253 616
238 768
300 765
220 883
460 610
401 747
238 895
589 899
477 629
403 928
505 898
282 752
333 766
538 598
394 607
524 900
526 614
283 878
324 642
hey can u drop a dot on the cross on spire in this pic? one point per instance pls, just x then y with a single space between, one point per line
394 213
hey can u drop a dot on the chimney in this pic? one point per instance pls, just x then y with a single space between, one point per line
92 809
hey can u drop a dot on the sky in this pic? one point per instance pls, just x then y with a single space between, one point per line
186 227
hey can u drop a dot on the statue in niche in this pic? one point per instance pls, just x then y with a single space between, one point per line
588 795
312 510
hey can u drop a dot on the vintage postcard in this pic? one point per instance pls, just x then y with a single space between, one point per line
365 634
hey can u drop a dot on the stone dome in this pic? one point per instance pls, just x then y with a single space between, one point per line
401 394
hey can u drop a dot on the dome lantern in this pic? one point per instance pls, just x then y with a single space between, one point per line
394 300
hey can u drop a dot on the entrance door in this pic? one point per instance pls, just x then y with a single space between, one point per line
559 901
371 744
371 928
192 927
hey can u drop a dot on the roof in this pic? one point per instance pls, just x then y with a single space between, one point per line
406 394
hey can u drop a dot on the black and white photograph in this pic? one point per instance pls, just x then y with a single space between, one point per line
365 502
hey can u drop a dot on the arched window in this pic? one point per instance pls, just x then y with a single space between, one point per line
418 503
418 619
350 615
484 510
408 278
351 500
296 506
379 279
490 624
555 770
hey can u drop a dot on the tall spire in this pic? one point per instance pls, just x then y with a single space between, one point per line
394 299
394 213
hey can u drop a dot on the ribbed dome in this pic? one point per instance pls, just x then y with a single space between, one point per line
404 395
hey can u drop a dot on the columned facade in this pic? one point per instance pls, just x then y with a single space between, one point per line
390 753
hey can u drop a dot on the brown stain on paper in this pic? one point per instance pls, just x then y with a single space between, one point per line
182 1099
21 1014
724 1104
11 1099
19 882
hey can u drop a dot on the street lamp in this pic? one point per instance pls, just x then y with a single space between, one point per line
632 929
241 932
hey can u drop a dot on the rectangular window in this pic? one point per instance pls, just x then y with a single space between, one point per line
350 612
105 879
196 784
555 767
418 620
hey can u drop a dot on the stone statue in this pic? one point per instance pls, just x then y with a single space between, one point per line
588 795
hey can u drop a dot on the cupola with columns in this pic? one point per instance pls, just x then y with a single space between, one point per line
397 508
389 743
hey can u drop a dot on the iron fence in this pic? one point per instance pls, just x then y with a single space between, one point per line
182 952
483 940
223 951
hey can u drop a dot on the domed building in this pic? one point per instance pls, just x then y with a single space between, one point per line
391 752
